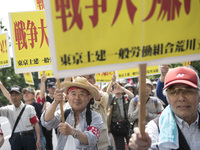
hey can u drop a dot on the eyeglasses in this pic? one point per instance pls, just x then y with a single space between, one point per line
184 91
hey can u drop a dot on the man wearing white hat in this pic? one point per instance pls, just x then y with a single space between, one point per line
75 133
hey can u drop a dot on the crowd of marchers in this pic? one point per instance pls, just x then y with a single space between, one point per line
106 117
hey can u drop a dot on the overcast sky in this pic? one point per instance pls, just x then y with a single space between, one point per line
7 6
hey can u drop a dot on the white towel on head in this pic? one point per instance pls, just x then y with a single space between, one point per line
168 137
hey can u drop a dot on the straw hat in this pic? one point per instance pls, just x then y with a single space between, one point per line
80 82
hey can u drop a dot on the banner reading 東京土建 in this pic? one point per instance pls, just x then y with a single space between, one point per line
30 41
92 36
4 51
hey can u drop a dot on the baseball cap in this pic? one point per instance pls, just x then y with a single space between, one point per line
15 88
154 82
29 89
181 75
51 85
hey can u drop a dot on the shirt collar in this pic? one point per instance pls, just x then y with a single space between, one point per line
20 107
181 122
82 114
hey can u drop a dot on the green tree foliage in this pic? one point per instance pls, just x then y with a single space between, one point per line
194 64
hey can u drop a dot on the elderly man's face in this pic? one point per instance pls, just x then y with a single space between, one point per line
184 101
78 99
16 98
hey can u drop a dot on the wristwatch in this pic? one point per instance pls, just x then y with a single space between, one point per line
75 134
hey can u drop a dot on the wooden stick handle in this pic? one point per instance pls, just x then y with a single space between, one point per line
142 102
61 103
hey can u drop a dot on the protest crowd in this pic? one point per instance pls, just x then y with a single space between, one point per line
105 118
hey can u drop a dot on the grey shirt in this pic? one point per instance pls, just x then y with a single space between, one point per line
96 124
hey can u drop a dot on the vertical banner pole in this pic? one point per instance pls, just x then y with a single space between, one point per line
61 103
142 102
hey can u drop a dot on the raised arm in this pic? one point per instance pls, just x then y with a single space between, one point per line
109 89
129 93
5 92
160 84
42 87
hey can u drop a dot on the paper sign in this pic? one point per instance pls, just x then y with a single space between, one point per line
104 77
132 73
28 78
48 73
93 36
4 51
30 42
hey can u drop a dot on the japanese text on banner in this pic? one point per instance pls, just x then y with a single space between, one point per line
30 39
4 52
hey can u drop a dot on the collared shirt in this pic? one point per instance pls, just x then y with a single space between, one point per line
11 112
92 138
191 133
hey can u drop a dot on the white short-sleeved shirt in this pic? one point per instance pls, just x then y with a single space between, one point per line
11 112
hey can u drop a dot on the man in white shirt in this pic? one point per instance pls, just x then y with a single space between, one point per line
179 124
23 137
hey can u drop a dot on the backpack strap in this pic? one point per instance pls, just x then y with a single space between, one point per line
88 115
135 101
155 101
66 113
